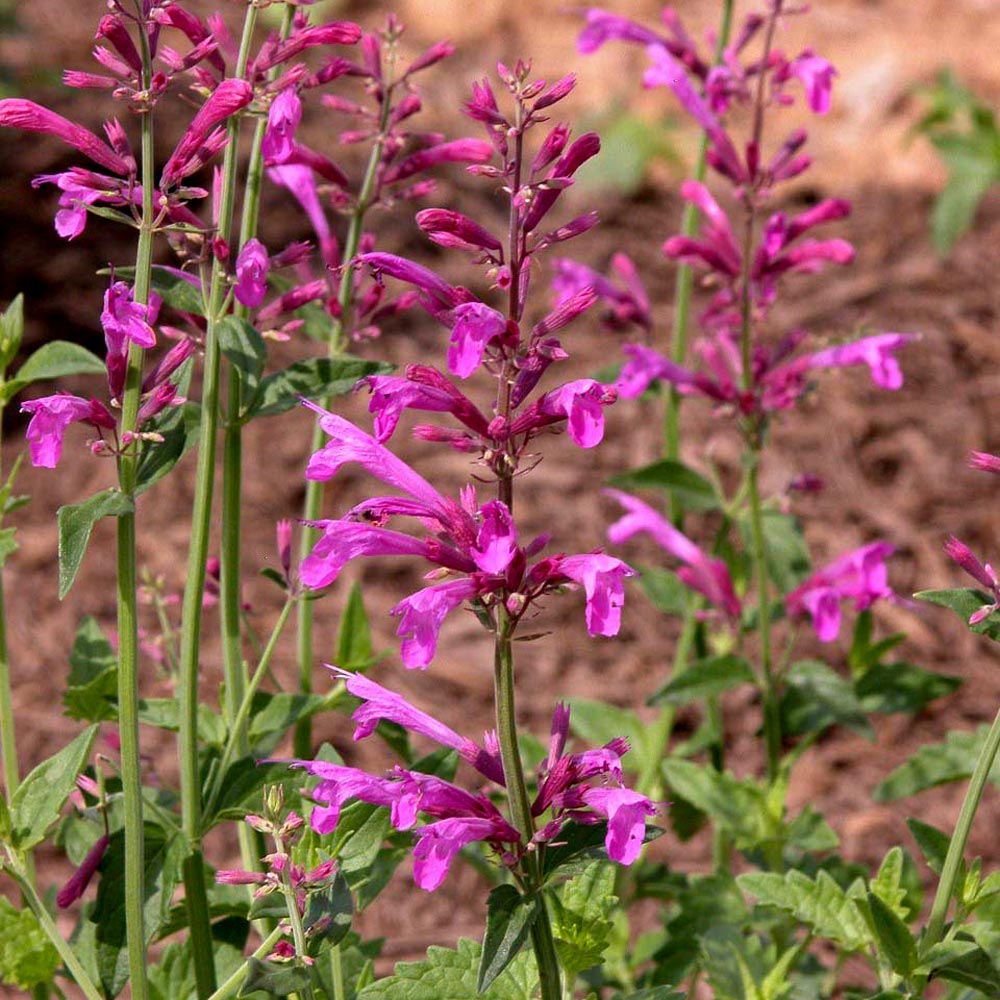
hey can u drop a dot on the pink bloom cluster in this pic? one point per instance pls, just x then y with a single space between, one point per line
565 790
475 548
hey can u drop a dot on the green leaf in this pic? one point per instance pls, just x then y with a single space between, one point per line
277 979
92 688
788 561
902 687
894 939
11 332
975 969
354 635
76 522
937 764
452 975
313 378
579 843
173 976
933 844
40 797
582 913
244 349
27 957
705 678
361 831
8 544
666 591
822 905
965 602
598 723
509 917
888 884
162 856
175 291
180 427
653 993
816 698
164 713
57 359
242 788
691 489
955 208
279 712
329 912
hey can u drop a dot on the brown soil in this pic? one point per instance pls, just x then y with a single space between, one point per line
893 463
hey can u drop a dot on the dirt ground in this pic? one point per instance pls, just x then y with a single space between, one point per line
894 464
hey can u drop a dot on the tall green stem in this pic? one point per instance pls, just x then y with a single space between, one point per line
8 743
956 849
517 797
313 505
233 984
127 583
194 879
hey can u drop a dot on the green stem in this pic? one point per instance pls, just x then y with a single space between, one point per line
8 743
239 723
66 953
313 506
196 893
127 582
956 849
517 796
337 973
294 918
232 985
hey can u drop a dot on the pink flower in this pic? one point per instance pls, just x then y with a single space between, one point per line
251 274
710 577
476 326
124 320
580 403
78 882
438 843
817 76
627 304
860 576
51 415
984 575
283 119
876 352
601 577
983 461
626 812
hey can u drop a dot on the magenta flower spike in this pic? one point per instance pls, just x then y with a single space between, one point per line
860 576
283 119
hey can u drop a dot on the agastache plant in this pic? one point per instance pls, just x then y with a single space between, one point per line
478 556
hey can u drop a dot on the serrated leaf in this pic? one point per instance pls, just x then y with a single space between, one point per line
894 939
509 916
579 843
162 856
329 912
27 957
76 522
902 687
39 799
244 349
164 713
312 378
937 764
705 678
277 979
816 697
92 688
888 883
965 602
452 974
582 912
354 634
688 487
975 969
821 905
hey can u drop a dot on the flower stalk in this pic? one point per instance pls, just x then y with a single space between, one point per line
194 883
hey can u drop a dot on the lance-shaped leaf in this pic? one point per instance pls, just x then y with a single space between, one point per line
53 360
509 916
329 913
76 522
313 378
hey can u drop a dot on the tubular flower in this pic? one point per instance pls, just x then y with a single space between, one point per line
567 791
859 576
984 575
51 415
477 545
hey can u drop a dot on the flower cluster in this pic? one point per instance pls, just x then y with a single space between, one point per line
566 790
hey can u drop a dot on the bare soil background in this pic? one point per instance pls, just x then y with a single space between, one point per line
894 464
